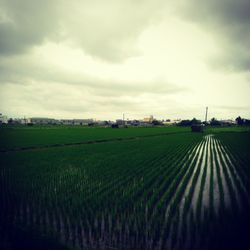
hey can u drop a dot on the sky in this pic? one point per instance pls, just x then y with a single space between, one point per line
104 58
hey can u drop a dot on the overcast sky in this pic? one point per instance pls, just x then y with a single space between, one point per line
102 58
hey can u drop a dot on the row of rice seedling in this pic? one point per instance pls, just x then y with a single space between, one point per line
170 180
67 197
219 202
166 232
202 182
237 148
229 181
237 165
161 195
186 209
155 218
162 213
212 158
222 179
204 215
239 185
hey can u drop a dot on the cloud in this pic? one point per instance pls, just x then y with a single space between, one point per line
62 100
24 24
27 69
38 88
93 58
228 21
107 30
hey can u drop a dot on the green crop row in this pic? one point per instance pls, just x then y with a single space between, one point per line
131 194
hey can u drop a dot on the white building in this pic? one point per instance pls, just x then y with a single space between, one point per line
67 121
77 121
22 121
44 121
148 119
3 119
168 122
119 122
82 121
228 121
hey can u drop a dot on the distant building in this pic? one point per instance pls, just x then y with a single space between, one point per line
133 122
119 122
228 122
22 121
148 119
44 121
168 122
176 121
103 123
67 122
83 121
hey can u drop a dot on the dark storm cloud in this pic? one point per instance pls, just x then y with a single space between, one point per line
24 24
228 20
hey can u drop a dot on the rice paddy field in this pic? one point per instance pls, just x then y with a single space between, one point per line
127 188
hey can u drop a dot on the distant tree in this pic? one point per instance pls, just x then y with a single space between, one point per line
239 121
247 122
194 121
185 123
114 126
106 123
214 122
205 123
156 122
10 121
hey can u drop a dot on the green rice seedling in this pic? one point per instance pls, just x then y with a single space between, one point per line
192 187
222 202
211 187
229 184
203 180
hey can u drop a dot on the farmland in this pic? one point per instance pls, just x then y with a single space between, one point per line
38 136
136 188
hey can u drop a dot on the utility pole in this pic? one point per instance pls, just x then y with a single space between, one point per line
206 115
123 117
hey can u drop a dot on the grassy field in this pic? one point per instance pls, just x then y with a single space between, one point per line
177 190
13 137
